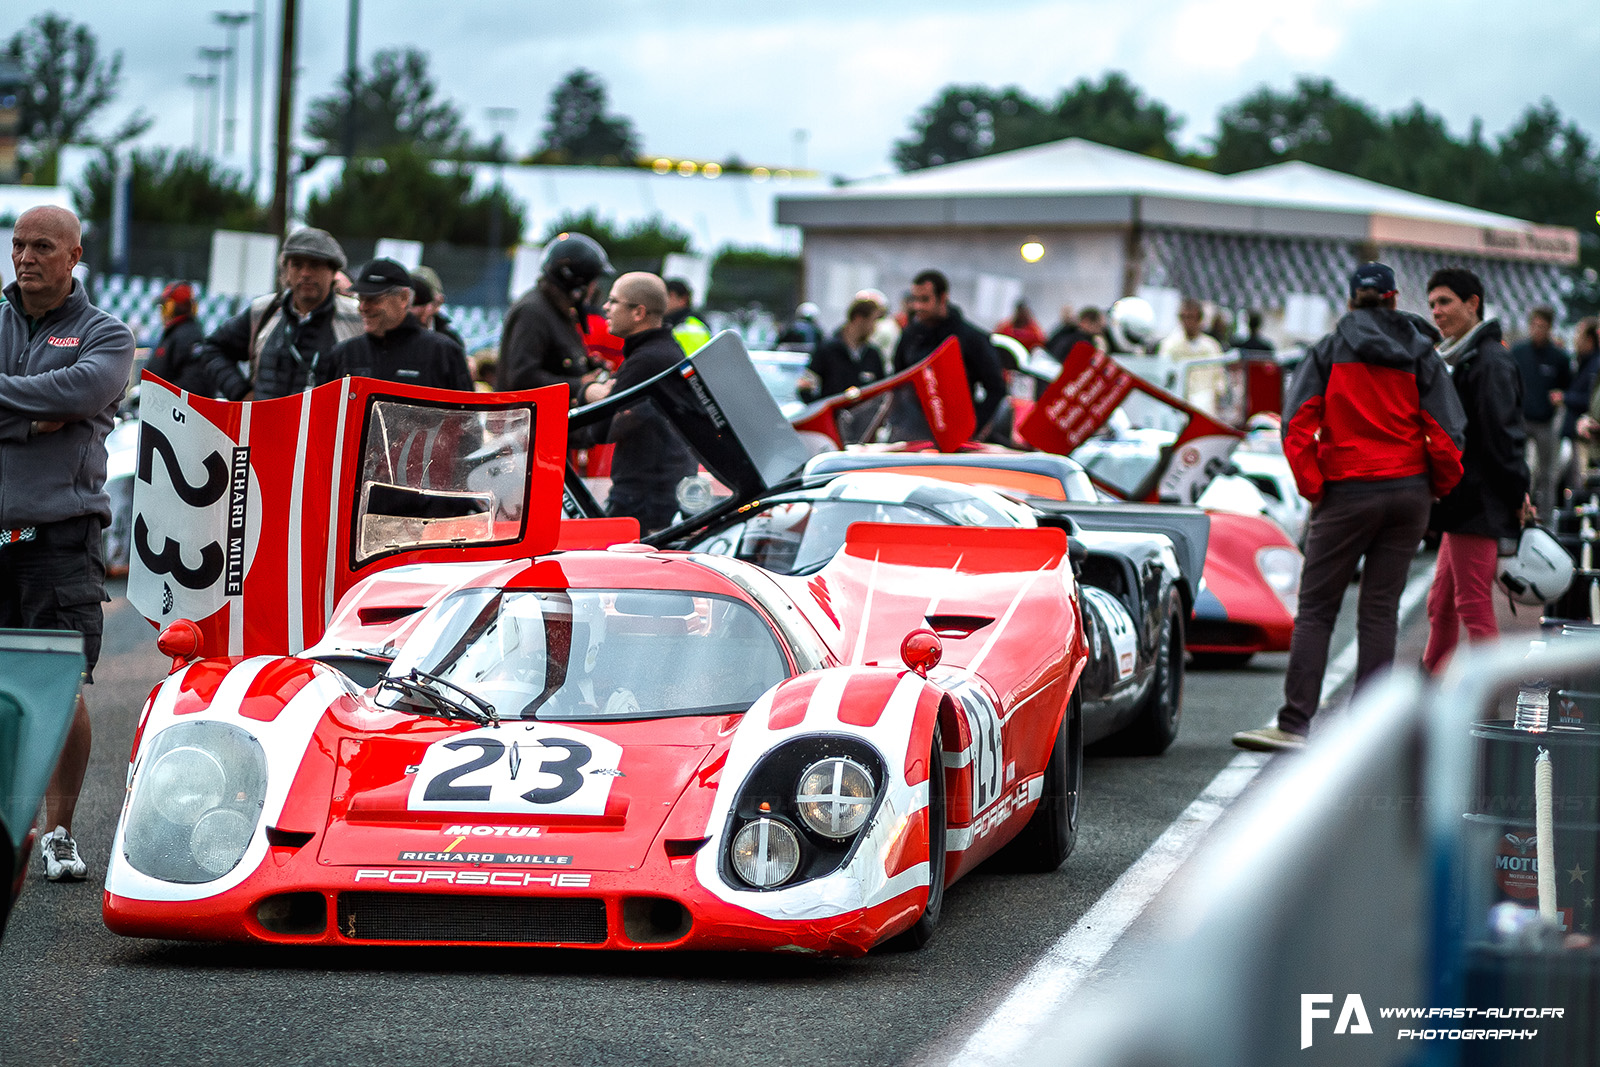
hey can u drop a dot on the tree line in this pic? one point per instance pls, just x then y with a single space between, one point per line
1545 168
412 145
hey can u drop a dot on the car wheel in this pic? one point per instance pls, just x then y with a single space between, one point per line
1153 732
1048 838
922 929
1221 661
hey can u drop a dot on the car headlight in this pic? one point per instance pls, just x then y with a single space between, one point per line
1280 567
765 853
185 783
835 797
196 802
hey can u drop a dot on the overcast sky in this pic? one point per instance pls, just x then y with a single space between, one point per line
711 78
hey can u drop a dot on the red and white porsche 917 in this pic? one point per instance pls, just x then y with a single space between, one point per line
398 713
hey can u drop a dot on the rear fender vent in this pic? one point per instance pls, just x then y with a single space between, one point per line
383 614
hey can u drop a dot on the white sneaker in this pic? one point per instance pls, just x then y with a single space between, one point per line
61 860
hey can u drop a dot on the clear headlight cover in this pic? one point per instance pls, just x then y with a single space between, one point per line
196 802
835 797
1280 566
765 853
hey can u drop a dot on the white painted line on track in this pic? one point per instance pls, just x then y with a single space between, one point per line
1039 996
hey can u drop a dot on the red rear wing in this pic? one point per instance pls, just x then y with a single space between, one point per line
941 386
253 519
1079 402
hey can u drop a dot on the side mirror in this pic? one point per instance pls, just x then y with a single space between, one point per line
181 641
921 651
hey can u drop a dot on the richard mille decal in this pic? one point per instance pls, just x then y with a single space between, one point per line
504 859
415 876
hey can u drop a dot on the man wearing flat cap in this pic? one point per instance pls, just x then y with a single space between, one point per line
394 347
1373 431
286 336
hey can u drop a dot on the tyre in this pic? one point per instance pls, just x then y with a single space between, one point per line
922 930
1048 838
1153 732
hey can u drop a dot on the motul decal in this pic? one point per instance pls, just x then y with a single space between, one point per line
1516 866
474 830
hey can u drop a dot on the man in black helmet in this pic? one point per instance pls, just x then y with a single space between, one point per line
542 342
286 336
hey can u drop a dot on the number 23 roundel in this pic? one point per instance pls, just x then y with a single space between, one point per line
544 768
243 512
197 512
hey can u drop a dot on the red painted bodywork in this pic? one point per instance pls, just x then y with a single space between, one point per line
346 820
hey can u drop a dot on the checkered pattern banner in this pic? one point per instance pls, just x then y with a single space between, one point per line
1240 271
1511 288
132 298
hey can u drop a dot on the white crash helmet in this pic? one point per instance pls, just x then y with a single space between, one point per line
1132 323
1540 571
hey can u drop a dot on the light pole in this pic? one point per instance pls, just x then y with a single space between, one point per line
352 77
500 120
201 83
231 21
216 57
279 217
258 31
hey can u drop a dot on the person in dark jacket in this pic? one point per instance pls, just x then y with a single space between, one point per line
395 347
64 365
286 335
1089 326
1546 371
541 342
1373 436
650 458
1491 500
427 302
175 358
1576 399
848 359
936 319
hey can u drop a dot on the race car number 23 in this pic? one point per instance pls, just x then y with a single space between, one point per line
540 769
196 512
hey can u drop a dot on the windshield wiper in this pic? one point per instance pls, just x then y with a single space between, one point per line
431 688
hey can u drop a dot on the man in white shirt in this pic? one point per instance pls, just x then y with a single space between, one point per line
1203 386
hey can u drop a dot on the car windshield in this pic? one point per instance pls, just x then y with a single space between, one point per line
798 536
596 654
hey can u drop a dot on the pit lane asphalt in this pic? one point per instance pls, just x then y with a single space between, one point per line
73 993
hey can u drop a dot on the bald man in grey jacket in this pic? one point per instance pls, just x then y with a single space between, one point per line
64 365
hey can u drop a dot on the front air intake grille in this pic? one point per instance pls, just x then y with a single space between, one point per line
433 917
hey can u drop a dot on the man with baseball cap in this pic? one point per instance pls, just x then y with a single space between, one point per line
394 346
176 358
1373 432
286 336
